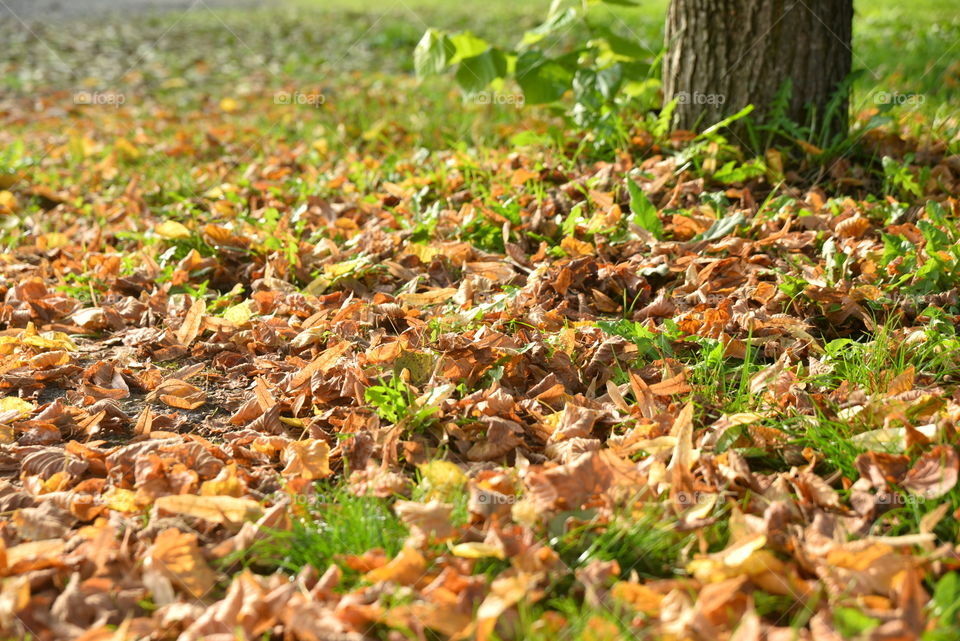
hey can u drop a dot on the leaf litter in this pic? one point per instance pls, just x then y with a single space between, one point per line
694 409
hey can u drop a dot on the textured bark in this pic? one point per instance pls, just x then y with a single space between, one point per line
725 54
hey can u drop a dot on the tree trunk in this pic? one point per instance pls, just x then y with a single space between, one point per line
726 54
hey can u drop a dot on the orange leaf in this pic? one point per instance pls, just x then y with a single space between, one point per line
308 459
177 556
406 569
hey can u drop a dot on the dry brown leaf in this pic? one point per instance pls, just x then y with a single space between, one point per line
671 386
432 297
902 383
177 393
183 403
191 323
681 480
322 363
431 519
934 474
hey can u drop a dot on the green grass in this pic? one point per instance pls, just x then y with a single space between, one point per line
337 524
539 622
644 540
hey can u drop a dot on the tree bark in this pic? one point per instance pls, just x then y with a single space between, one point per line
723 55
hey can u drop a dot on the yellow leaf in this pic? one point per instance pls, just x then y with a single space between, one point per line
336 270
747 556
217 509
58 481
121 500
424 252
226 483
774 165
553 420
419 364
375 130
442 477
219 192
125 149
239 315
46 340
172 230
174 83
8 403
53 240
8 202
229 105
504 593
476 550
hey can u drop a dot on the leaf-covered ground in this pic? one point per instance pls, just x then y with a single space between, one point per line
295 348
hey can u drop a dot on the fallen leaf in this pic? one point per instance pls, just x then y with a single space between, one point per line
216 509
934 474
176 555
307 459
191 323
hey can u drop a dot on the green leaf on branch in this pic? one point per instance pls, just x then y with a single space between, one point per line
433 53
555 22
609 81
466 45
626 47
542 79
476 72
